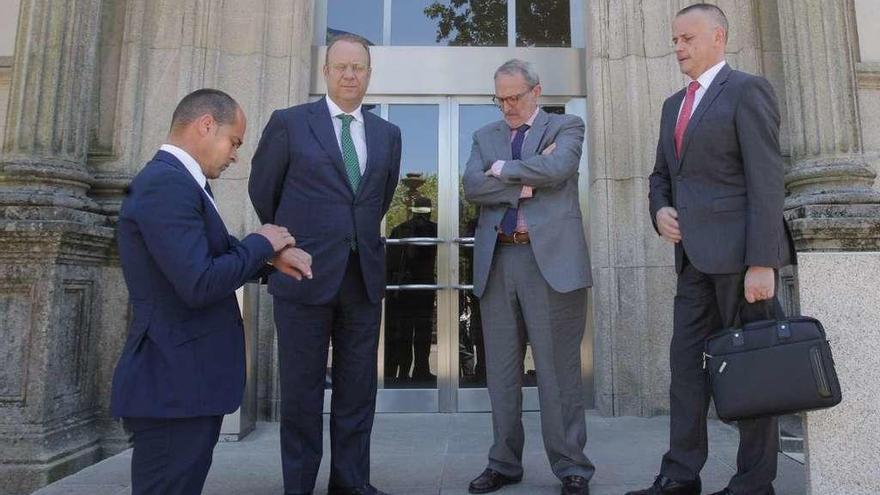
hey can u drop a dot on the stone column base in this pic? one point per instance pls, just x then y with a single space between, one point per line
842 290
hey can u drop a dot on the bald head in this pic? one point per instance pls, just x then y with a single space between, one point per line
712 13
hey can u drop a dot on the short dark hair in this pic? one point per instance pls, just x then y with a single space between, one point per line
351 38
712 11
222 107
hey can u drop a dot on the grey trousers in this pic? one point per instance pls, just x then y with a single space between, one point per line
519 305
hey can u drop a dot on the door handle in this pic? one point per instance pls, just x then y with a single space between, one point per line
415 241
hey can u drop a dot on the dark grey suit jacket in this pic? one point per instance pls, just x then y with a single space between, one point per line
728 185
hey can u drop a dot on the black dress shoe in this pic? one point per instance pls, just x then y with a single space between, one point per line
361 490
491 480
727 491
665 486
575 485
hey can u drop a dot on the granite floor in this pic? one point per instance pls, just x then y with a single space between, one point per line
416 454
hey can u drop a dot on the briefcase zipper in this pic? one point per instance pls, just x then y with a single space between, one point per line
816 358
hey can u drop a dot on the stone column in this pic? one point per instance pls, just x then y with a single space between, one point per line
832 210
53 244
631 70
831 203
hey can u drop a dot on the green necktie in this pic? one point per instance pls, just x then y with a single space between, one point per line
350 158
349 153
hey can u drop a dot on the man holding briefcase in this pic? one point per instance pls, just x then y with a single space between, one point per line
717 194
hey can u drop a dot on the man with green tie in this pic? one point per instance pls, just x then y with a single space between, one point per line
327 171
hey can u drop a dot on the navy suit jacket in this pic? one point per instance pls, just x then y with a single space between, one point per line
298 180
728 184
184 355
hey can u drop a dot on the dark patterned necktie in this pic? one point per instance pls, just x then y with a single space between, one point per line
350 158
508 223
349 152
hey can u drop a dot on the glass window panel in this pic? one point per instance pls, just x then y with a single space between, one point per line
470 118
449 22
472 351
410 314
419 128
543 23
410 339
361 17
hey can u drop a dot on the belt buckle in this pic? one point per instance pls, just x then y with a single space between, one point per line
516 239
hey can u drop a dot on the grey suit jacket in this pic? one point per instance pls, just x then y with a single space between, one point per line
553 214
728 185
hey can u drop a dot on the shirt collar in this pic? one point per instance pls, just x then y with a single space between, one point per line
192 166
335 110
707 77
531 120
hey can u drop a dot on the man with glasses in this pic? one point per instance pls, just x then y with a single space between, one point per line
327 171
531 271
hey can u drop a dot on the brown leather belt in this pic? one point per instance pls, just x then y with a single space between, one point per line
515 238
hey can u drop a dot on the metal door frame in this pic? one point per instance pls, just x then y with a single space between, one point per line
448 397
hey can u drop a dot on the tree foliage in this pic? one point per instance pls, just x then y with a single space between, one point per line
484 22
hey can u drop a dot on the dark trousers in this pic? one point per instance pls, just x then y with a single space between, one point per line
171 456
705 304
304 335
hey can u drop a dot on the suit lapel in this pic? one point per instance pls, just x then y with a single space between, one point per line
212 215
535 135
322 128
501 141
711 94
372 136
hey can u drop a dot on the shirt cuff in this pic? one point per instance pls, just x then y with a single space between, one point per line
526 192
496 168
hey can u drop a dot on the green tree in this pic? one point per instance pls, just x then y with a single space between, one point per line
470 22
484 22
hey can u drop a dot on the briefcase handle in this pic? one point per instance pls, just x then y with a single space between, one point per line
770 310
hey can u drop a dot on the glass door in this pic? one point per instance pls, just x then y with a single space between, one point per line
431 356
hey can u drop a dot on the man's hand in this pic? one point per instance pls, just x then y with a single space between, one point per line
667 224
279 237
760 283
549 149
294 262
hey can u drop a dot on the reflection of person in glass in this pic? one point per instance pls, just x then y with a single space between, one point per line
531 271
410 313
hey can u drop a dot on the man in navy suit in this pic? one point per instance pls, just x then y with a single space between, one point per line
182 367
327 171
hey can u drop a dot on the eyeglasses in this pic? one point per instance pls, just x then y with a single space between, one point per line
343 68
510 100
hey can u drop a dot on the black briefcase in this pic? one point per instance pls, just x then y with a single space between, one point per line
771 368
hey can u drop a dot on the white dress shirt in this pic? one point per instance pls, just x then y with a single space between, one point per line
357 131
192 166
705 81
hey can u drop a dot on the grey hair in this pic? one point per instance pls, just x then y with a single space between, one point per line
713 11
516 66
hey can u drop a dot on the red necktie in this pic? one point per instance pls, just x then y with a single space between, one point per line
685 116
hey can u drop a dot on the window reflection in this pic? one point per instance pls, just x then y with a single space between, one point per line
410 311
360 17
449 22
543 23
